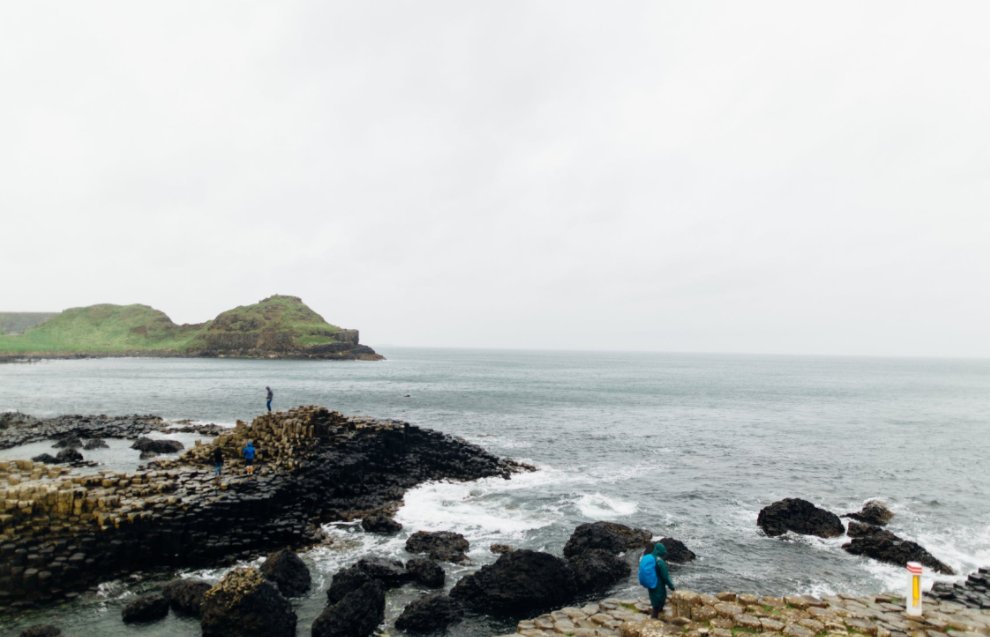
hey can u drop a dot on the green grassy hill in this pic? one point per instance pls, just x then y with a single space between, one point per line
279 326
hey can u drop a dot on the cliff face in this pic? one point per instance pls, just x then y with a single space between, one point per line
64 532
277 327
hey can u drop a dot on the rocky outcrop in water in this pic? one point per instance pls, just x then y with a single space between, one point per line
63 532
380 523
426 572
185 596
356 614
597 570
677 551
43 630
150 445
146 608
609 536
873 512
287 571
430 614
439 545
18 429
882 545
519 584
798 516
245 604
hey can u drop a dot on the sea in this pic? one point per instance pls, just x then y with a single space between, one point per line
690 446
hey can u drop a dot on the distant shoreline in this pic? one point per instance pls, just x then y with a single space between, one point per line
40 356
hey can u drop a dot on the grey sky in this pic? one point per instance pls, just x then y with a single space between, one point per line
776 177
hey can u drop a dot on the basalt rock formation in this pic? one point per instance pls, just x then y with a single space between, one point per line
61 532
882 545
873 512
519 584
245 604
799 516
610 536
439 545
430 614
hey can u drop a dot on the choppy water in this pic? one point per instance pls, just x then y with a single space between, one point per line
690 446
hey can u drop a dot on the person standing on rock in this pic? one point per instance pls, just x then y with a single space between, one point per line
268 400
655 576
249 453
217 462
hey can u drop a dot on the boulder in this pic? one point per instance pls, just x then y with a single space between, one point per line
41 630
498 549
388 573
379 523
245 604
356 614
287 571
433 613
68 455
95 443
799 516
157 446
522 583
677 552
147 608
884 546
46 458
597 570
69 442
609 536
873 512
440 545
426 572
185 595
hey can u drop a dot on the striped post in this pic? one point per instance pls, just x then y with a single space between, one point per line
913 599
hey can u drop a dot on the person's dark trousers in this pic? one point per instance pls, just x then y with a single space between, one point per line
269 406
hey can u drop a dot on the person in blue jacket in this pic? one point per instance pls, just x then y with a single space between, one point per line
249 453
658 593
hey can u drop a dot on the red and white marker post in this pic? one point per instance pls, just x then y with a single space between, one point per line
913 598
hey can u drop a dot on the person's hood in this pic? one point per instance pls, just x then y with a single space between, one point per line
659 551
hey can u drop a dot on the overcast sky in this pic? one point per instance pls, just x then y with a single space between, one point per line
779 177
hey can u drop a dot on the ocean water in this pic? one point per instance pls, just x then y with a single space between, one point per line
689 446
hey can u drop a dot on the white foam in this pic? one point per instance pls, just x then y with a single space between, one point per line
602 507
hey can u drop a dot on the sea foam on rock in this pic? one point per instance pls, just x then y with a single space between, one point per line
799 516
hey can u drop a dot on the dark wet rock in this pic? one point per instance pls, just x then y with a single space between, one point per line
18 429
499 549
356 614
433 613
873 512
245 604
67 456
46 458
288 572
799 516
884 546
677 551
185 595
147 608
440 545
157 446
597 570
69 442
17 420
426 572
388 573
148 455
42 630
95 443
609 536
522 583
379 523
974 592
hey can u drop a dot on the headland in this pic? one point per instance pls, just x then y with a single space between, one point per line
277 327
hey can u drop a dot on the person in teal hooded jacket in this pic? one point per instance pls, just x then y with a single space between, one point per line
658 595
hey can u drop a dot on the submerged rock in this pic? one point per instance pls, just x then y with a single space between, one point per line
522 583
609 536
147 608
440 545
873 512
388 573
185 595
433 613
356 614
287 571
884 546
799 516
597 570
245 604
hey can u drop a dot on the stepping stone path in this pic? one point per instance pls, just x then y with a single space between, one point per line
690 614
